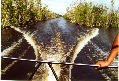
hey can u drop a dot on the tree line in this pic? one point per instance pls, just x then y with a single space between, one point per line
93 15
23 12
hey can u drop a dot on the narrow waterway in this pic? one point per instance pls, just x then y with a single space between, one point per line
61 41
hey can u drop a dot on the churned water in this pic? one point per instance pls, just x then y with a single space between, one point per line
58 40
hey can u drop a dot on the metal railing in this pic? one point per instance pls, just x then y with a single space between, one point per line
39 62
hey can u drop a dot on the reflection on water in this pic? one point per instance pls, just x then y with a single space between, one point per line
55 41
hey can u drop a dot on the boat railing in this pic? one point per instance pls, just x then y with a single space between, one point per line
39 62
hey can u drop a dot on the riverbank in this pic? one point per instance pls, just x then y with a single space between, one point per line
24 12
87 14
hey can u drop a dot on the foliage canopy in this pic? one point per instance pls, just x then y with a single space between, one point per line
19 12
93 15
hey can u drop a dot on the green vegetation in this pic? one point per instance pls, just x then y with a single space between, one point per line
23 12
93 15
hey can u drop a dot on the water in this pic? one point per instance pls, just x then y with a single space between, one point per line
58 40
96 50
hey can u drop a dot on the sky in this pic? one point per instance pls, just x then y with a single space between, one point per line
59 6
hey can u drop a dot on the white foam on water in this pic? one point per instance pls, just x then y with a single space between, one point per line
102 55
51 76
82 41
29 38
32 42
8 50
14 62
17 29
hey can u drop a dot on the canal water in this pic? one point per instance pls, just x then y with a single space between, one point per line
64 34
